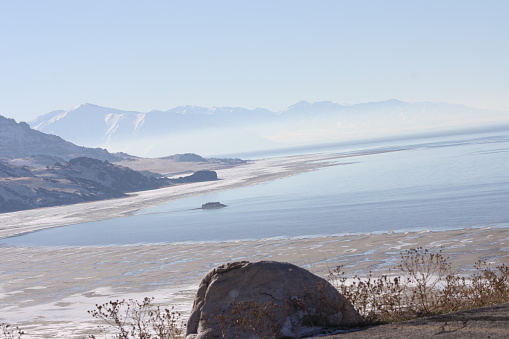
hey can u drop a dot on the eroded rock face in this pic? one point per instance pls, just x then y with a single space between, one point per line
265 299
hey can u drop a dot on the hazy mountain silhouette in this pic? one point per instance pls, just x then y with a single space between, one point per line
232 129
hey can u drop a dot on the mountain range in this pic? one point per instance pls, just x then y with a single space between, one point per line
220 130
38 169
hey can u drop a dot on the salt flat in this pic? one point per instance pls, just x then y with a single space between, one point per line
47 291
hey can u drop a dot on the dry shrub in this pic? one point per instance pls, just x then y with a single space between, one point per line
489 286
138 320
10 332
426 286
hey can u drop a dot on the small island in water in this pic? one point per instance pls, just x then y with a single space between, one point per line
212 205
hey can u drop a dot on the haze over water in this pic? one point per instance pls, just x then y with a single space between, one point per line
409 185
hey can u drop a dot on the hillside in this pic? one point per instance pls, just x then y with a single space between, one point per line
78 180
18 140
42 170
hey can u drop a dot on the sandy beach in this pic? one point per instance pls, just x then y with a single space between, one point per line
47 291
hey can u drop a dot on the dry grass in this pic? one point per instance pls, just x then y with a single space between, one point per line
426 285
138 320
10 332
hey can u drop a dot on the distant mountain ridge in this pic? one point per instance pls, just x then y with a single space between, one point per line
108 124
219 130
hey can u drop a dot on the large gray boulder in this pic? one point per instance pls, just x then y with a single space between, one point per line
266 299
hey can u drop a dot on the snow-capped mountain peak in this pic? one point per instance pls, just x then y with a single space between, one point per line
200 130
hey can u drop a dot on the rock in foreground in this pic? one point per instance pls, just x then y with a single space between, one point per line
266 299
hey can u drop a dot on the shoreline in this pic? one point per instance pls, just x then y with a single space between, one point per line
255 172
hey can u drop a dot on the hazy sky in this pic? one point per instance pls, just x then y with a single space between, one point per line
145 55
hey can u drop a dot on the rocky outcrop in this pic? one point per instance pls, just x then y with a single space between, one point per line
212 205
106 176
196 177
78 180
266 299
7 170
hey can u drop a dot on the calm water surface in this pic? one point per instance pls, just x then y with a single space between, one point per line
437 184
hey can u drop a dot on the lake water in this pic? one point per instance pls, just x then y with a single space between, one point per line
436 183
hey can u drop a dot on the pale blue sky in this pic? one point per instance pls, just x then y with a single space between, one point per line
145 55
